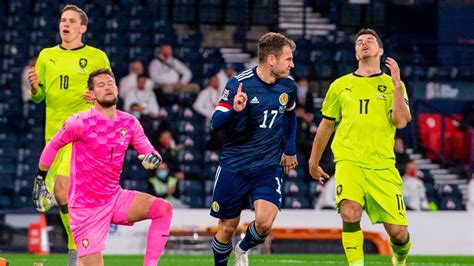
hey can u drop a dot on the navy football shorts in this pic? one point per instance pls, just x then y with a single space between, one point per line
235 191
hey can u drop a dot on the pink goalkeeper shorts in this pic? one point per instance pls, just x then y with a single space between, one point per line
91 225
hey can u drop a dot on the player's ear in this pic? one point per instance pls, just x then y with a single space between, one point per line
271 60
381 51
83 29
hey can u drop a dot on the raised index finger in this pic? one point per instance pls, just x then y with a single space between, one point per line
239 89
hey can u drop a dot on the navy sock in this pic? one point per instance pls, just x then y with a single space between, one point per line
252 238
221 252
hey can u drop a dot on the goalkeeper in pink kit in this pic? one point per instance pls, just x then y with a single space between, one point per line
100 137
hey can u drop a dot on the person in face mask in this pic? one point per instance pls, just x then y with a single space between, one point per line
169 73
164 185
207 100
304 105
145 120
169 150
414 191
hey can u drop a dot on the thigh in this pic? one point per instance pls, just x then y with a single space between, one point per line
266 185
350 183
131 206
265 212
92 259
385 197
90 227
60 166
230 195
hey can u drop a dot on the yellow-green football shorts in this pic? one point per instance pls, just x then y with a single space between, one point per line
379 191
60 166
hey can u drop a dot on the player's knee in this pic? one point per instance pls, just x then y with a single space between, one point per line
263 226
350 212
167 208
160 208
227 229
399 235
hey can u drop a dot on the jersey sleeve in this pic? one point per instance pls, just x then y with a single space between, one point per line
70 132
225 108
40 71
227 98
331 108
405 95
105 61
139 140
292 96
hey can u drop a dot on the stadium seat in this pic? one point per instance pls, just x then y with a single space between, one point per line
452 203
300 202
194 201
208 187
191 187
5 201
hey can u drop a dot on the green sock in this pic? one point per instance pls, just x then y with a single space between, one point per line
400 252
63 212
353 242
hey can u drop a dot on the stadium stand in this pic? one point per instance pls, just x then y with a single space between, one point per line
132 29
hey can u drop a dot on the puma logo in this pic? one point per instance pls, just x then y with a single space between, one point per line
348 89
52 60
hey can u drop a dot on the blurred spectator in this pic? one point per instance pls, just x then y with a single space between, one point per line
169 73
224 75
470 195
145 120
25 84
168 149
304 117
401 157
414 191
253 62
163 185
129 82
145 98
327 196
208 99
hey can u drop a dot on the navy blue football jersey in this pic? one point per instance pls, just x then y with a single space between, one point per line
255 135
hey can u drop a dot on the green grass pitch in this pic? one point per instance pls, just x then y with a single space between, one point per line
255 260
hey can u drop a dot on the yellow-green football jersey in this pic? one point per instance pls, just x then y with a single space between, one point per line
363 105
63 76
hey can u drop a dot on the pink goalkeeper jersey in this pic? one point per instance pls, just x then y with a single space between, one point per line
98 152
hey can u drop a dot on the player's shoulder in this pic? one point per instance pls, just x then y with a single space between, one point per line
288 82
343 81
244 76
122 115
49 50
93 50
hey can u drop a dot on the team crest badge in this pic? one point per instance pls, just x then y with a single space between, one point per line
215 206
85 242
83 62
283 99
225 95
339 190
382 88
123 132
